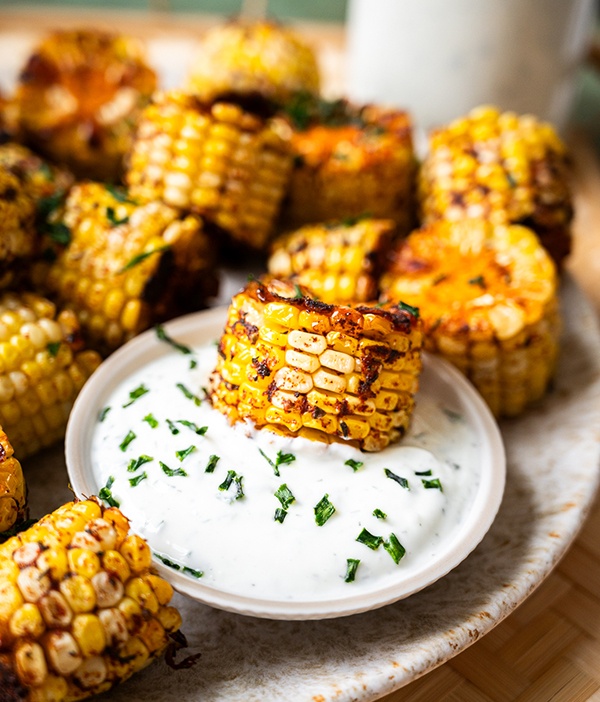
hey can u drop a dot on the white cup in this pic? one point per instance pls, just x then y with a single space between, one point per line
441 58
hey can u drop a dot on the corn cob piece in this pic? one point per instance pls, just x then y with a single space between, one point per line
349 161
78 97
42 368
13 490
260 56
487 295
41 179
218 160
502 167
339 262
129 266
81 609
294 365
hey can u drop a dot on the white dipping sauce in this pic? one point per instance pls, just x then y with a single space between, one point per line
236 543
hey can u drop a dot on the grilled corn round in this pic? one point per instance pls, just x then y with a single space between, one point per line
13 490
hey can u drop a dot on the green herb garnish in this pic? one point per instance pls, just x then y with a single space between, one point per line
233 477
351 568
118 193
373 542
478 280
172 428
434 483
142 257
176 566
192 572
355 465
53 347
127 440
280 515
212 464
323 510
184 453
379 513
285 496
136 394
422 472
163 336
58 232
394 548
410 309
136 480
201 431
136 463
403 482
151 420
190 395
172 472
113 219
106 494
103 412
281 459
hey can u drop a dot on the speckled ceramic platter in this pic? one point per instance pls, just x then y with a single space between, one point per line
553 457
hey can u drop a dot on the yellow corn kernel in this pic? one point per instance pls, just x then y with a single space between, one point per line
27 622
137 553
89 634
79 593
83 562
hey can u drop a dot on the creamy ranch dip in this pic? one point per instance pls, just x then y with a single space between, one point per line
207 498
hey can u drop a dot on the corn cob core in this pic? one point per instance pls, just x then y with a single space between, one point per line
350 161
80 609
13 491
295 365
216 159
487 296
78 96
339 262
502 167
253 56
42 369
128 265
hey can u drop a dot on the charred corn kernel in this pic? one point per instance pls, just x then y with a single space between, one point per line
349 160
83 561
325 384
503 167
488 299
13 491
65 635
78 97
37 360
253 57
115 241
237 170
351 275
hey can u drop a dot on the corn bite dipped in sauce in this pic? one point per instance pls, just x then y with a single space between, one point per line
293 364
349 161
219 160
340 262
253 56
487 295
128 266
504 167
43 365
78 97
13 489
81 609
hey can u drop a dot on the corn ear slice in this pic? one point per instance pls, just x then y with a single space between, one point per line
41 179
13 489
298 366
338 262
42 368
128 266
215 159
488 299
81 609
504 167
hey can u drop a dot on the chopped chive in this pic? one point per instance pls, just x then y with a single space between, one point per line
137 479
58 232
103 412
201 431
298 292
136 394
172 428
478 280
379 514
452 415
127 440
193 363
409 308
434 483
167 562
323 510
172 472
190 395
423 472
191 571
403 482
226 484
184 569
355 465
351 568
163 336
142 257
394 548
373 542
113 219
106 494
136 463
184 453
284 458
270 462
212 464
285 496
280 515
118 193
233 477
53 347
151 420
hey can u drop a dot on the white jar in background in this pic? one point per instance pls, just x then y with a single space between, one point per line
440 58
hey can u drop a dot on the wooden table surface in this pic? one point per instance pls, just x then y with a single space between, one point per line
549 648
